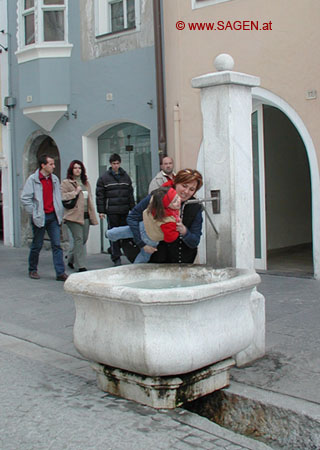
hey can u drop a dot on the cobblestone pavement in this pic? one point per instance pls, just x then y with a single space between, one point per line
48 393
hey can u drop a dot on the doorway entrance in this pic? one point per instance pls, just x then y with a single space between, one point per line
282 192
36 145
132 143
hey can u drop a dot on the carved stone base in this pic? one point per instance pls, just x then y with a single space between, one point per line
163 392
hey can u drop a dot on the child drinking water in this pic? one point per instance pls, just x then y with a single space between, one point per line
159 222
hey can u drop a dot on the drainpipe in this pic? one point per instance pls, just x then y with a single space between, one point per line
14 174
11 230
177 138
162 137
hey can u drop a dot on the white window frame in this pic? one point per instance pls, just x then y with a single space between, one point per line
103 19
202 3
24 14
45 8
41 48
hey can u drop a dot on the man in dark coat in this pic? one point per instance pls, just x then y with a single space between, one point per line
114 198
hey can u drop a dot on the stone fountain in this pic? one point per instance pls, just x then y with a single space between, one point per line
167 337
163 335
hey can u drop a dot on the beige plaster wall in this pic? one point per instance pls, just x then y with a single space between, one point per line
286 59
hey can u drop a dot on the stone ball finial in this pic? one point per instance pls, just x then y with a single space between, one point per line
223 62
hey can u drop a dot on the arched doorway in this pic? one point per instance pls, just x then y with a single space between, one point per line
132 141
36 145
283 200
49 147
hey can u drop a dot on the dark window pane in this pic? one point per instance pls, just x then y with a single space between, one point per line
53 22
53 2
256 186
28 4
117 22
131 17
29 29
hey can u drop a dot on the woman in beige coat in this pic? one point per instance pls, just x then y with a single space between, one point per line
81 216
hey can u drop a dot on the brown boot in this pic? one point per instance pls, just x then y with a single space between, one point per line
34 275
62 277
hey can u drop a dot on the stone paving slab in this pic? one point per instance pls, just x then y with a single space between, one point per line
51 401
291 365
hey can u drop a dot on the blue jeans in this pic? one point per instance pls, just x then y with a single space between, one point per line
116 220
116 233
53 228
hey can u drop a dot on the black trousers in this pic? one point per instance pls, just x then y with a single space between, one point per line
116 220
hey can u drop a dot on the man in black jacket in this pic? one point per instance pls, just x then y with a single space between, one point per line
114 198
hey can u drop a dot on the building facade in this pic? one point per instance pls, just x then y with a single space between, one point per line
6 217
82 85
79 81
274 41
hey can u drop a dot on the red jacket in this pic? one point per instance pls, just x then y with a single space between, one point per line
169 229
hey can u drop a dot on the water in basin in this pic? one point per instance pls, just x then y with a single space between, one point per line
164 284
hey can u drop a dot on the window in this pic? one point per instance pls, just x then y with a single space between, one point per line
42 21
53 20
28 20
42 29
114 16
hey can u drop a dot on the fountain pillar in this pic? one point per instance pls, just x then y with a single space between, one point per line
226 104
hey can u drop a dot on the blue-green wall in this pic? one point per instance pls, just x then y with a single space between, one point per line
83 85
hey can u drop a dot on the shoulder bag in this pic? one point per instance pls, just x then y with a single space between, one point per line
70 204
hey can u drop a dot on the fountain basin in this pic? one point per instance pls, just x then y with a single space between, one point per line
164 331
